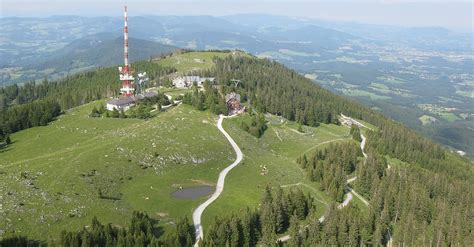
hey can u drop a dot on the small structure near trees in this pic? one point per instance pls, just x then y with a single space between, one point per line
126 102
188 81
232 101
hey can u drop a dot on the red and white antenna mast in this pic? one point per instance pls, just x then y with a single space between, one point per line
125 72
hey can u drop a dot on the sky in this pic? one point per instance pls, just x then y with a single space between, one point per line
455 15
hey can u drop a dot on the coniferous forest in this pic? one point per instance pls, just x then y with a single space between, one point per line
140 232
427 201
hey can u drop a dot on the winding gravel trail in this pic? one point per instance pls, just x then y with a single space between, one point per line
349 193
220 183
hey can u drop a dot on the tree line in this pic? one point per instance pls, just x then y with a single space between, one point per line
37 113
208 99
414 205
261 226
141 231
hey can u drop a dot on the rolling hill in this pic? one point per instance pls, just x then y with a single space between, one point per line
101 50
93 51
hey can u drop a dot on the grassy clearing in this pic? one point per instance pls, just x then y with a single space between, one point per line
174 92
297 53
192 61
50 177
427 120
449 116
380 88
363 93
394 162
277 151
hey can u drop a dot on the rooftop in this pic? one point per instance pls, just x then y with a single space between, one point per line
128 100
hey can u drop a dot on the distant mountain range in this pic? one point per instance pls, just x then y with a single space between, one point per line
92 51
102 49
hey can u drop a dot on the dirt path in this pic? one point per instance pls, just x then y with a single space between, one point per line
219 186
320 199
349 193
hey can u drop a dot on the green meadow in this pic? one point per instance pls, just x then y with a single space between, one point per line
59 176
193 61
51 177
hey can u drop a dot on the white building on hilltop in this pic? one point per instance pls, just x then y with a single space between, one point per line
188 81
125 103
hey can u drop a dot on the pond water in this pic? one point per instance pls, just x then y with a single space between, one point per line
193 192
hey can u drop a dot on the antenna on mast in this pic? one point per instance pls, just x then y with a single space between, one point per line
125 72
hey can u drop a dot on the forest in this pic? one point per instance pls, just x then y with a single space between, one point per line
276 214
270 87
141 231
331 166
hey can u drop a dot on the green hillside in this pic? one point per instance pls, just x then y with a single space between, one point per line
52 175
58 176
277 151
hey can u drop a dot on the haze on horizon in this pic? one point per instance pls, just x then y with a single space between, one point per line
455 15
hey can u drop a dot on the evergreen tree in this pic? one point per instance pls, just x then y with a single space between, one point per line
8 141
295 238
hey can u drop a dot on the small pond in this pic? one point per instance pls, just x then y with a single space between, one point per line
193 192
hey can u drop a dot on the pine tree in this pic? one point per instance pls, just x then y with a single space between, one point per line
8 141
295 238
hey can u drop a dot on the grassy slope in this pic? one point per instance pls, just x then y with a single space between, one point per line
76 144
118 149
278 152
193 60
